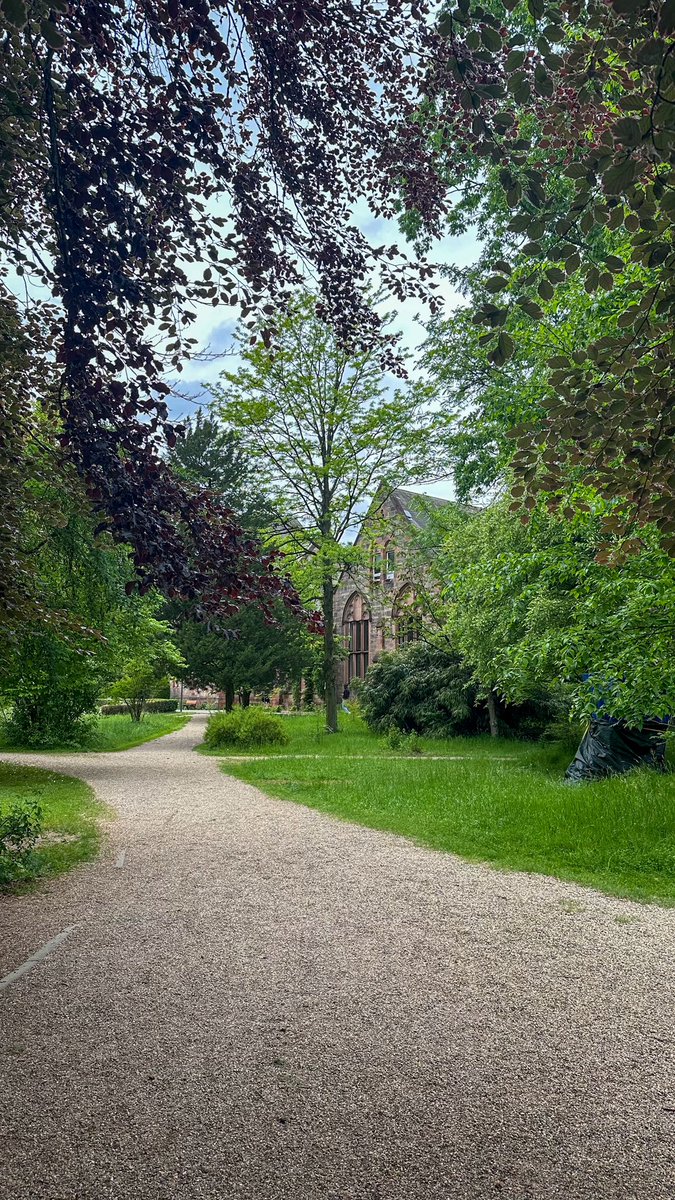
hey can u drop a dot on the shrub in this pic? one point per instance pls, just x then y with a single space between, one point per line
245 729
395 738
51 716
20 827
421 690
156 706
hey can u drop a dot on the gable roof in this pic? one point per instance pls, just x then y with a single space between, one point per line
415 505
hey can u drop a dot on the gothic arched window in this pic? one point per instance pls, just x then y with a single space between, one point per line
407 621
356 632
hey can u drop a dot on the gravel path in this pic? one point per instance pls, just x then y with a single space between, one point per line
265 1002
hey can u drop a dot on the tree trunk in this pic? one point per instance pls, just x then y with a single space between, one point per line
329 671
245 697
229 696
492 714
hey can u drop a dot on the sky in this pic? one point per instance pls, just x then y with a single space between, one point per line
215 329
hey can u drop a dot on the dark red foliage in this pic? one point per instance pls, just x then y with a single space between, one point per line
126 126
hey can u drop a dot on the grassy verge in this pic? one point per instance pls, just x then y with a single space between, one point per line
120 733
617 835
114 733
70 811
308 736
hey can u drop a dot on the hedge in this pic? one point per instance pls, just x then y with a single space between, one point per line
152 706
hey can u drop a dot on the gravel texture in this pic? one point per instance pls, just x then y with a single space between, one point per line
266 1002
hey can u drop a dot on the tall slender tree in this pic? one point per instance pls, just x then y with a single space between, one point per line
323 432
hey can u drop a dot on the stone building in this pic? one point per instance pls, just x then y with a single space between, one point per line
375 600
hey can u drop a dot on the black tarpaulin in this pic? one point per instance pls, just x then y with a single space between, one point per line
611 747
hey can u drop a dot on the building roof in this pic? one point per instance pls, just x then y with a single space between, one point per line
415 505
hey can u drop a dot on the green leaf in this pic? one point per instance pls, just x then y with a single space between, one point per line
628 131
52 35
491 39
15 11
619 176
531 308
515 59
503 350
496 283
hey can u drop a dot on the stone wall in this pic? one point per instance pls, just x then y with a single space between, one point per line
387 527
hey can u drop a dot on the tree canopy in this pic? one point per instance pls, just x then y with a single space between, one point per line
533 612
158 157
583 93
323 432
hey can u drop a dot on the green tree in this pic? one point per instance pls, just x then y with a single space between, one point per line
52 671
533 611
210 456
489 399
149 655
420 689
247 655
577 99
322 432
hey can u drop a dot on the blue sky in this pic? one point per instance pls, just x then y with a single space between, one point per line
215 328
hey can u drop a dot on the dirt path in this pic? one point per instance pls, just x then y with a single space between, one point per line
264 1002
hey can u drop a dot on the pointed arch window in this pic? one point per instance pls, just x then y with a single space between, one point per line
356 632
407 620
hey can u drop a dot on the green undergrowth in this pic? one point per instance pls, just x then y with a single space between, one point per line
69 810
112 733
307 735
514 812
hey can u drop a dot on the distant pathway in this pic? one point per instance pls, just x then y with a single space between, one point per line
261 1002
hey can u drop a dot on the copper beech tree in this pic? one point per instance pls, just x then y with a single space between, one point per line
159 155
583 90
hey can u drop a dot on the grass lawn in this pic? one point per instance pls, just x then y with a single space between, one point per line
308 736
69 808
115 733
517 813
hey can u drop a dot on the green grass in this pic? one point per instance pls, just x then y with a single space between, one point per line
616 835
308 736
69 808
114 733
120 733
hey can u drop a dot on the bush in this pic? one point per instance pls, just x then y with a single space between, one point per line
52 716
407 743
20 827
153 706
421 690
245 729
